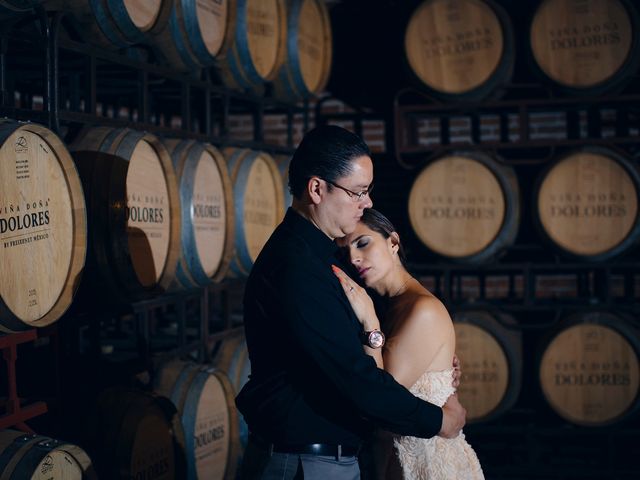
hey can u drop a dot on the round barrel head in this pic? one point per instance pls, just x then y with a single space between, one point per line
587 203
589 374
456 206
454 47
581 44
485 370
36 225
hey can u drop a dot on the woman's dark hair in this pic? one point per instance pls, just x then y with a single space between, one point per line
381 224
326 152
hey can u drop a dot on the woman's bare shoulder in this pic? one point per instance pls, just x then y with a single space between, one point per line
428 309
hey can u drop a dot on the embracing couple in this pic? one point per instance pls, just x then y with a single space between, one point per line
324 379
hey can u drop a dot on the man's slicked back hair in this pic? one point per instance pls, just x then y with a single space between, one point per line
326 152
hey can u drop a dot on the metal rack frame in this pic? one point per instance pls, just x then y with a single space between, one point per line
73 78
68 100
411 108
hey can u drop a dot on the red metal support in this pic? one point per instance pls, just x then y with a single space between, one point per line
16 414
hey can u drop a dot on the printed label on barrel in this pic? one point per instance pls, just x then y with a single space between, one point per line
212 20
581 43
587 203
589 374
212 431
143 14
36 225
153 454
454 46
57 464
148 214
485 371
260 207
263 34
208 213
312 44
456 206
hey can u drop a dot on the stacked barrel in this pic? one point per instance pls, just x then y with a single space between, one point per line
100 219
43 233
470 209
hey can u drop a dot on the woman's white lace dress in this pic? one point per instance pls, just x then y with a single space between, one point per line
437 458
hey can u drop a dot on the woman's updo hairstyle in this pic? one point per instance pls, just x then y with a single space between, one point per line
381 224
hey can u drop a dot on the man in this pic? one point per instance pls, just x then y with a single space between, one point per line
313 392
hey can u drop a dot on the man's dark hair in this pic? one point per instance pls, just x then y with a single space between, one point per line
326 152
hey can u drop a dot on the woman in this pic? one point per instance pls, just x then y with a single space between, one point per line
418 351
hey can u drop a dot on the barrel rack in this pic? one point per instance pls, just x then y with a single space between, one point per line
529 437
606 120
612 121
51 75
76 77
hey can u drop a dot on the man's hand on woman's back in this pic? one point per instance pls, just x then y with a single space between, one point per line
453 417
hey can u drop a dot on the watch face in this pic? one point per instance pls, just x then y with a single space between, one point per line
376 339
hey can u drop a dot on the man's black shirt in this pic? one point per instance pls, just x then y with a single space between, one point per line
311 381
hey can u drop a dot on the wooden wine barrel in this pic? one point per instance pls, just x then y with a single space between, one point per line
197 32
120 23
205 400
465 206
135 204
257 197
491 356
257 49
133 434
232 357
24 455
15 8
586 47
283 165
207 215
589 371
308 51
462 50
587 204
43 229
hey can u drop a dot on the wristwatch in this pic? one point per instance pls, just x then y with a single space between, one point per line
373 338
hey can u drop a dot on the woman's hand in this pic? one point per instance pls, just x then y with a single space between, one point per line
359 299
457 372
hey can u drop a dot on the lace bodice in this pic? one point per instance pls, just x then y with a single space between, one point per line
437 458
434 387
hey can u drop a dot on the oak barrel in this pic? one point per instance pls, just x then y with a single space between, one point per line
25 455
206 198
120 23
257 197
283 162
133 195
134 434
490 353
232 357
460 50
15 8
308 51
257 49
43 227
205 400
586 47
465 206
589 371
197 32
587 204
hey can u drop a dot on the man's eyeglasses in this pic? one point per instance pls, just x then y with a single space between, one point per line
355 196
